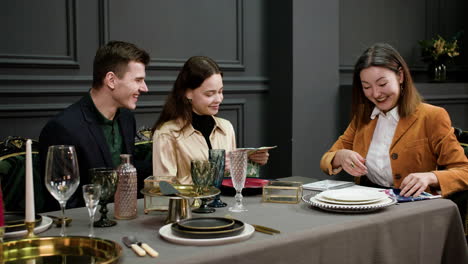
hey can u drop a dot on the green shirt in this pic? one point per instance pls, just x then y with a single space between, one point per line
111 130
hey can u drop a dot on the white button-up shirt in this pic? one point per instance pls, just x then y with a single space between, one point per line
378 157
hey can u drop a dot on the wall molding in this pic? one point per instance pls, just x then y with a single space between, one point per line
144 107
45 84
156 63
70 60
444 99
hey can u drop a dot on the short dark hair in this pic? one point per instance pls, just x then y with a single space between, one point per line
383 55
194 72
114 57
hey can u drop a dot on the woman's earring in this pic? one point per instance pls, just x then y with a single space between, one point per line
189 100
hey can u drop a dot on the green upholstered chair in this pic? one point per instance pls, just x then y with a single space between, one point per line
12 174
461 198
462 137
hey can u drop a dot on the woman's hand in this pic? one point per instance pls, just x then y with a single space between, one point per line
350 161
260 157
415 183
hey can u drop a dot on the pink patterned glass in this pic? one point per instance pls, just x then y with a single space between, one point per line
238 170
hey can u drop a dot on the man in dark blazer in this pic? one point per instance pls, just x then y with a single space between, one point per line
100 125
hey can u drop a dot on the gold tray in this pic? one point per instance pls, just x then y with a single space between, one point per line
74 249
186 191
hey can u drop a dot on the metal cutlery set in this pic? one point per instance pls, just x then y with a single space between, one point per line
138 247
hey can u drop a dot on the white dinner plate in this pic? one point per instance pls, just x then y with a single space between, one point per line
353 195
167 234
326 200
45 224
358 208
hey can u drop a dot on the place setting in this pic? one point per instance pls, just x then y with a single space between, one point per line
181 228
15 226
204 231
62 180
350 200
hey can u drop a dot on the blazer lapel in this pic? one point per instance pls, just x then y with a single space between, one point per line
96 133
403 125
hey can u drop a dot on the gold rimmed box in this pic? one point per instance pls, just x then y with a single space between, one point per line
155 202
282 192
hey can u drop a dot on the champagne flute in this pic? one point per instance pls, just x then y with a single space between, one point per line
91 195
62 175
238 159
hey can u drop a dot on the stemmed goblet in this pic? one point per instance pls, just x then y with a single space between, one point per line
91 195
202 175
238 159
107 178
62 175
217 156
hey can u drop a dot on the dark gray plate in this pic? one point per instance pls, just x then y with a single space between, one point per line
235 229
206 224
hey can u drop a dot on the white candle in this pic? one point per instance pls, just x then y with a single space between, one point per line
30 214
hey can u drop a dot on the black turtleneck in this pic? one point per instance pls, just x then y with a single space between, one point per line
204 124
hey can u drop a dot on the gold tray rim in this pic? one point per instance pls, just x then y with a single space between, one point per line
155 191
47 242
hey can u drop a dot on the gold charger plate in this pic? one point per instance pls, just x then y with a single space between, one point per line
186 191
74 249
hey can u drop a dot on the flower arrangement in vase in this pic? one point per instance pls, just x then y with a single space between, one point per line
437 52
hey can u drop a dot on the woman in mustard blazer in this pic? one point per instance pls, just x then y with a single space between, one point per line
394 139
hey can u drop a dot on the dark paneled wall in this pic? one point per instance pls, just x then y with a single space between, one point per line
403 24
315 82
46 62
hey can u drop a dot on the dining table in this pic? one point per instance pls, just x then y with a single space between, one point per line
426 232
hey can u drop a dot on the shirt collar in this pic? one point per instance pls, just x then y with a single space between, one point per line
393 113
99 116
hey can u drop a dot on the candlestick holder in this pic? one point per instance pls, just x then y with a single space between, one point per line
30 229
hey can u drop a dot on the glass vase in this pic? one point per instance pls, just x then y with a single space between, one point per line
125 206
438 72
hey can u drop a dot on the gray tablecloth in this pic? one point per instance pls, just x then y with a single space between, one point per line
418 232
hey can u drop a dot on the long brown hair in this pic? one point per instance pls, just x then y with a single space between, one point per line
194 72
383 55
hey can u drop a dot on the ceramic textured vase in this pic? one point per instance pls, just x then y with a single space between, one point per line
125 206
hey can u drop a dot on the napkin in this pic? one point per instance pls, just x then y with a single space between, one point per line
401 199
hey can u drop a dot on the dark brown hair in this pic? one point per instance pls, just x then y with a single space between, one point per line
194 72
114 57
383 55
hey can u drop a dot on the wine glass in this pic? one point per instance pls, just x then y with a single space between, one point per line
62 175
217 156
91 195
107 178
238 170
202 175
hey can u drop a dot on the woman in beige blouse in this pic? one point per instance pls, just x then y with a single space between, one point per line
187 127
